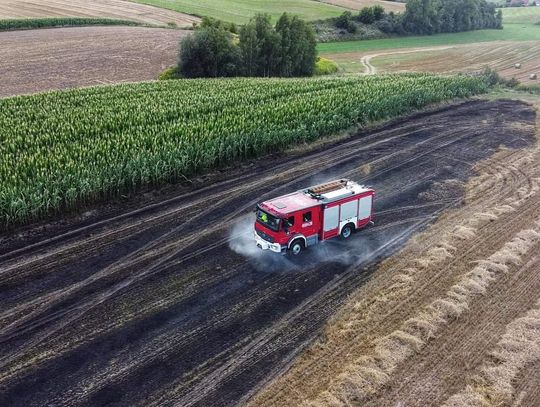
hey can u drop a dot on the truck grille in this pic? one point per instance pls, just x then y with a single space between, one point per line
264 236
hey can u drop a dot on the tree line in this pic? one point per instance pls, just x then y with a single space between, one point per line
286 49
443 16
426 17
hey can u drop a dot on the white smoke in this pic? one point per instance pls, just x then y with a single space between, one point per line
361 248
242 241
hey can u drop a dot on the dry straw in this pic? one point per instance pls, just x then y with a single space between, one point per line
518 347
366 375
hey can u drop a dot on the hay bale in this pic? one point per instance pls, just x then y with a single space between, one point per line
533 76
517 66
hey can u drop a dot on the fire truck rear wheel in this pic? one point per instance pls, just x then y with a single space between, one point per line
347 231
296 247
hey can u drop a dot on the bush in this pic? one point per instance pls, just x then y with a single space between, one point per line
210 22
367 15
326 31
391 24
378 12
325 66
493 78
345 22
169 73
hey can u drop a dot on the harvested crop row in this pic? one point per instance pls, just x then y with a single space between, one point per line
366 375
519 347
64 149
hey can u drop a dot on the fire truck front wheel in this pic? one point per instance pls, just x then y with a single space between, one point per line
347 231
296 247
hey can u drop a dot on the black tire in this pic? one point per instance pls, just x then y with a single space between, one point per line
296 247
347 231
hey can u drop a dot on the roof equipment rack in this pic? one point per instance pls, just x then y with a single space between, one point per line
317 190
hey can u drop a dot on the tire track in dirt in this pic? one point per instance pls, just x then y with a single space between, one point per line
138 255
5 334
166 328
91 303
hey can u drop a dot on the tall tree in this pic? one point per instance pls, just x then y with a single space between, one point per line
298 51
269 44
250 49
304 48
287 45
421 16
288 49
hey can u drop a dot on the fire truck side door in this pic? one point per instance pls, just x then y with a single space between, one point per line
331 222
365 207
310 222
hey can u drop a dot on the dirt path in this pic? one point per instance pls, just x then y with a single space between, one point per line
42 60
174 305
118 9
372 70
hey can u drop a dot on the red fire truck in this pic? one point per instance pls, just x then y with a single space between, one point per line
292 222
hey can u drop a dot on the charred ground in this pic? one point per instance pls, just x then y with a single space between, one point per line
156 307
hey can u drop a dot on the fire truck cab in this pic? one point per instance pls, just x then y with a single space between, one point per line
293 222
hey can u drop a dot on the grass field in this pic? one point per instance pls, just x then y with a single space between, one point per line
240 11
67 148
511 32
521 15
359 4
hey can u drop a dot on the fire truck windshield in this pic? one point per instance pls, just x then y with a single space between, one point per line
268 220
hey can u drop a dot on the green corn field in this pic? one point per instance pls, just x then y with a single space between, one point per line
61 150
